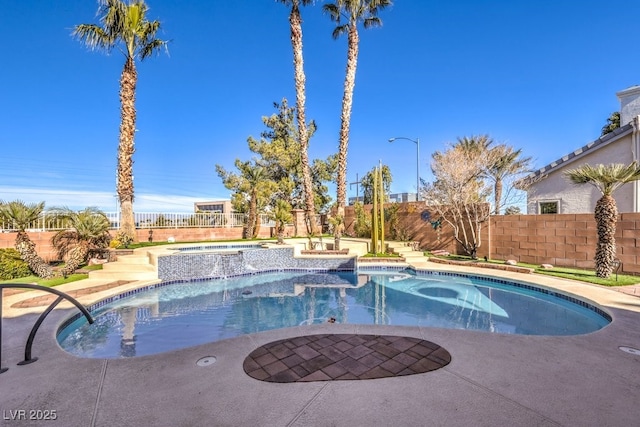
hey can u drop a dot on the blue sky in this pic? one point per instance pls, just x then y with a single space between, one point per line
540 76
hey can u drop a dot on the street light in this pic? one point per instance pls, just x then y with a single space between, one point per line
417 142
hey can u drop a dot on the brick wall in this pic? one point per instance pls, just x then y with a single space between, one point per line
564 240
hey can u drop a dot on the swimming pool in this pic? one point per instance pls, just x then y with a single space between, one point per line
171 316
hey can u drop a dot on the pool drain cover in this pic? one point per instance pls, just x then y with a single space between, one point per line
630 350
206 361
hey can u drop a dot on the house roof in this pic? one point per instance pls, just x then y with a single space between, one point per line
580 152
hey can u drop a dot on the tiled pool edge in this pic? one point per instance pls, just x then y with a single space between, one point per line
207 265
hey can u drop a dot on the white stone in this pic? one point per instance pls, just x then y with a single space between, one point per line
511 262
547 266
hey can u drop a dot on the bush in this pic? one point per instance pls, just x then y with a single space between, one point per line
12 266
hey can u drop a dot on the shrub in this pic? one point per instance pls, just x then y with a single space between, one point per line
12 266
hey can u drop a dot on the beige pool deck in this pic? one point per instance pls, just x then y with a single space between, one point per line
490 380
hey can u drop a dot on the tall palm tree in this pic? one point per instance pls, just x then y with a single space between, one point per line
498 162
295 22
475 144
87 229
124 25
347 14
505 162
22 216
607 179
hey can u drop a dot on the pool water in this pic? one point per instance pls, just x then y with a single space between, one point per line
185 314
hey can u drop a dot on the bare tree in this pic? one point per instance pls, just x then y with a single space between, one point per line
460 193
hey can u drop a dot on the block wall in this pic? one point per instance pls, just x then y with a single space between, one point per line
567 240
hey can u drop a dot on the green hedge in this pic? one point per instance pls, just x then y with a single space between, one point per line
11 266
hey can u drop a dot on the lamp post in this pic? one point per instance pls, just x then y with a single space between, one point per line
417 142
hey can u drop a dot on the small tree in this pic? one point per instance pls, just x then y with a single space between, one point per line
606 179
460 195
362 225
368 186
282 216
22 215
253 190
87 229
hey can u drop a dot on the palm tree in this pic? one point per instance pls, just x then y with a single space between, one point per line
347 14
475 144
505 162
607 179
282 216
22 216
88 229
124 25
498 162
613 123
255 176
295 22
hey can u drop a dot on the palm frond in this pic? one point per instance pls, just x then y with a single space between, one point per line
21 214
606 178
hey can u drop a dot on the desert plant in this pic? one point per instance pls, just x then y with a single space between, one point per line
87 230
11 265
22 215
282 216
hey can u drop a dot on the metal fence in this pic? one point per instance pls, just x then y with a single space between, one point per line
154 220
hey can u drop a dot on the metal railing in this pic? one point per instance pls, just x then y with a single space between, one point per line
61 295
152 220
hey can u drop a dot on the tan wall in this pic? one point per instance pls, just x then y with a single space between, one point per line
567 240
562 240
46 251
409 215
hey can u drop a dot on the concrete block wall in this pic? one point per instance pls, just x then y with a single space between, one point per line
563 240
567 240
410 217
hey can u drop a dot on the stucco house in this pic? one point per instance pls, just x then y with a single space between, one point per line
550 192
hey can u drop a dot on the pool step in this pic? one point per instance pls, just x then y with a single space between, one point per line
127 267
415 258
132 259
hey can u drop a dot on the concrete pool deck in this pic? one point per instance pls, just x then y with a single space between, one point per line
492 380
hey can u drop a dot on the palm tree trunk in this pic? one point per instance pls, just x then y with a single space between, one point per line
497 189
28 253
76 257
606 216
298 64
345 119
256 227
251 220
124 181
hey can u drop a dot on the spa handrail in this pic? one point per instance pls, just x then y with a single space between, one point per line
61 295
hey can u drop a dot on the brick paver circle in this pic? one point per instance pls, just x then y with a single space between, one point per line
329 357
